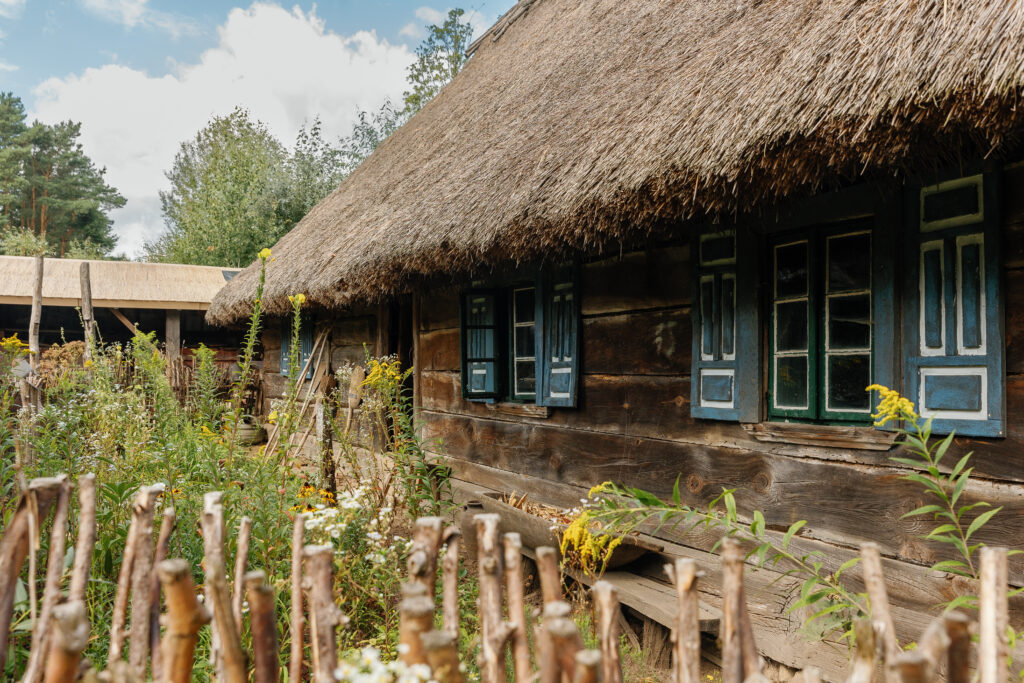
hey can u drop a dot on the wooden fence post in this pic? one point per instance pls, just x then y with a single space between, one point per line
993 616
51 591
547 655
686 635
264 627
14 548
957 629
69 640
163 543
517 606
415 618
142 509
185 617
422 562
324 615
230 661
865 654
442 656
494 630
241 562
607 613
550 574
450 582
88 323
874 579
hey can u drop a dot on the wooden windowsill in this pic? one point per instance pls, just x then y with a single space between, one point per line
519 409
832 436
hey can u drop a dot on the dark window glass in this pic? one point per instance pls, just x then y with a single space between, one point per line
728 315
707 304
525 311
715 249
791 381
960 201
791 270
849 322
526 377
791 322
849 262
848 375
525 341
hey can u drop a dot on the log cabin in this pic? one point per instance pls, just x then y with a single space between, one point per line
650 241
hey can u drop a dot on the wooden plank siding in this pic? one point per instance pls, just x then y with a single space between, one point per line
633 425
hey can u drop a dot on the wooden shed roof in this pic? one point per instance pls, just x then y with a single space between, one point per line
578 123
115 284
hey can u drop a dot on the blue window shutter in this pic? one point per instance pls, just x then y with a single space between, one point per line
305 346
953 317
481 346
726 339
559 350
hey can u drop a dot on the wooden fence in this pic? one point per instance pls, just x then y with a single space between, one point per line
61 630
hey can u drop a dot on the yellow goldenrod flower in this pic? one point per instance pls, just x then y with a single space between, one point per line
892 406
600 488
264 254
272 418
297 299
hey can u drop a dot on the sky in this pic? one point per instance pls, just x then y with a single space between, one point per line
142 76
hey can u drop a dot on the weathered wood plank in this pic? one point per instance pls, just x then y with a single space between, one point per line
646 343
1012 210
440 311
845 504
439 350
655 278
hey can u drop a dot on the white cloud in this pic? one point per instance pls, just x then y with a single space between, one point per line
132 13
430 15
4 66
411 30
281 65
11 8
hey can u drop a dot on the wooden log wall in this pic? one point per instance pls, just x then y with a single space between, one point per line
633 426
347 333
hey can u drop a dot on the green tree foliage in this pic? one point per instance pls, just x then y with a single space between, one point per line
51 193
235 188
222 204
438 59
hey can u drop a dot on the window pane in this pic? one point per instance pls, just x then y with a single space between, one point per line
480 344
526 378
791 270
849 322
791 322
791 382
707 304
523 303
848 376
717 249
481 310
958 201
849 262
728 318
524 341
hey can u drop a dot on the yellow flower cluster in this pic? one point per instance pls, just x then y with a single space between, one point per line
892 406
297 299
12 344
383 371
588 550
272 418
264 254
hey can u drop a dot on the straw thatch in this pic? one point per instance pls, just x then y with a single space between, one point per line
115 284
588 121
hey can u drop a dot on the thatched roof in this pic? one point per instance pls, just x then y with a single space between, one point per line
115 284
587 121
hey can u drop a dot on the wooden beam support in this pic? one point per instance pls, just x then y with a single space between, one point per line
88 319
125 321
172 336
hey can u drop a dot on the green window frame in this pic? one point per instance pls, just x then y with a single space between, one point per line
822 337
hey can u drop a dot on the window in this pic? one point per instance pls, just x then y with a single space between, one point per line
520 342
953 349
305 346
821 335
524 343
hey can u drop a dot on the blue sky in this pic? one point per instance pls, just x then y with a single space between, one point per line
144 75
